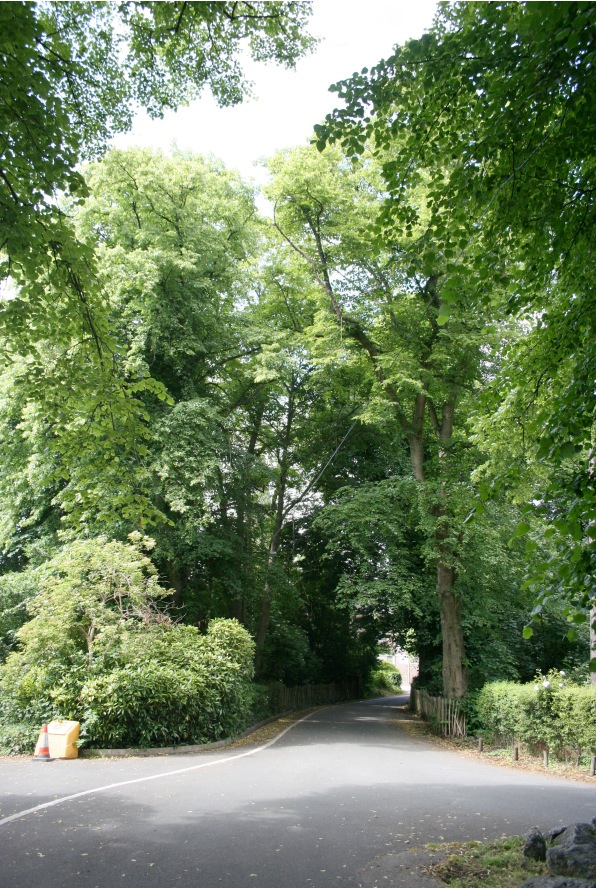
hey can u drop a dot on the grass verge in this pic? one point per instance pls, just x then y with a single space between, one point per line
497 864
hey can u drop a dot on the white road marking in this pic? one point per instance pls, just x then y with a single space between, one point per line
88 792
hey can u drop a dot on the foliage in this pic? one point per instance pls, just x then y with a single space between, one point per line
174 687
71 73
497 864
16 739
333 423
72 70
287 656
16 591
384 677
547 712
506 153
382 315
89 588
99 649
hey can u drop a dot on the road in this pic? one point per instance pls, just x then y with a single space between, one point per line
333 801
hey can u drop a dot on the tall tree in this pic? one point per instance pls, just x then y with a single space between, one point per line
496 104
387 310
72 73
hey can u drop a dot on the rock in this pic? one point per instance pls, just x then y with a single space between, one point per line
535 845
574 852
556 882
553 834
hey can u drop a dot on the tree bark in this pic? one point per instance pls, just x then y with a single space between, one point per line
176 580
279 500
239 606
455 683
416 439
455 678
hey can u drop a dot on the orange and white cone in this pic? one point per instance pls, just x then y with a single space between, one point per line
42 750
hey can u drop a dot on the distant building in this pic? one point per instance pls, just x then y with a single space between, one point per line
407 665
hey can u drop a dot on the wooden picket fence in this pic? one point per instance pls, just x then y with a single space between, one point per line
447 715
282 699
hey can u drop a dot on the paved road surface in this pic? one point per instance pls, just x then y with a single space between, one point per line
332 802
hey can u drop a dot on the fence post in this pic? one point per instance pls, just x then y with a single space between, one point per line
545 757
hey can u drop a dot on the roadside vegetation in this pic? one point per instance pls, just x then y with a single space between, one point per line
498 864
237 451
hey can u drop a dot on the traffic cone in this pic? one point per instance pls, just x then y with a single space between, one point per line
43 746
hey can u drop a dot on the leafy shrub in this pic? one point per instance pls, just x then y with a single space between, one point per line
546 712
18 738
172 685
384 677
502 708
158 705
98 649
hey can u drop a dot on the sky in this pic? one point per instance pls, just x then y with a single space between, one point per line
354 34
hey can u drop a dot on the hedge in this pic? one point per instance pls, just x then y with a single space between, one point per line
548 712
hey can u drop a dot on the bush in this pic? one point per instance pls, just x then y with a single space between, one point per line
546 712
18 739
172 686
99 650
384 677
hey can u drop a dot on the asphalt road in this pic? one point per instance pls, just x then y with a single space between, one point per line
333 801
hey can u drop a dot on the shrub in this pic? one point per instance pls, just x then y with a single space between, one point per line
158 705
98 649
546 712
172 685
16 739
384 677
502 708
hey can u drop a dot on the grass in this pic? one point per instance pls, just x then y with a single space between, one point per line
575 770
497 864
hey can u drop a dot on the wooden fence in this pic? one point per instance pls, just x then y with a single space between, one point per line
282 699
447 715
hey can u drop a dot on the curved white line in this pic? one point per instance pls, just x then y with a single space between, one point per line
87 792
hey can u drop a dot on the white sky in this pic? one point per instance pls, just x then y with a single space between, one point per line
355 34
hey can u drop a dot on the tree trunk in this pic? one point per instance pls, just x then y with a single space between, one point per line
176 581
455 679
279 501
265 604
239 606
416 438
455 683
593 641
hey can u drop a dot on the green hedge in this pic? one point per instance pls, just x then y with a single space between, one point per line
546 712
384 677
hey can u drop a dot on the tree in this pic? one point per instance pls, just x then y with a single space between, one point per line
71 73
495 105
383 301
